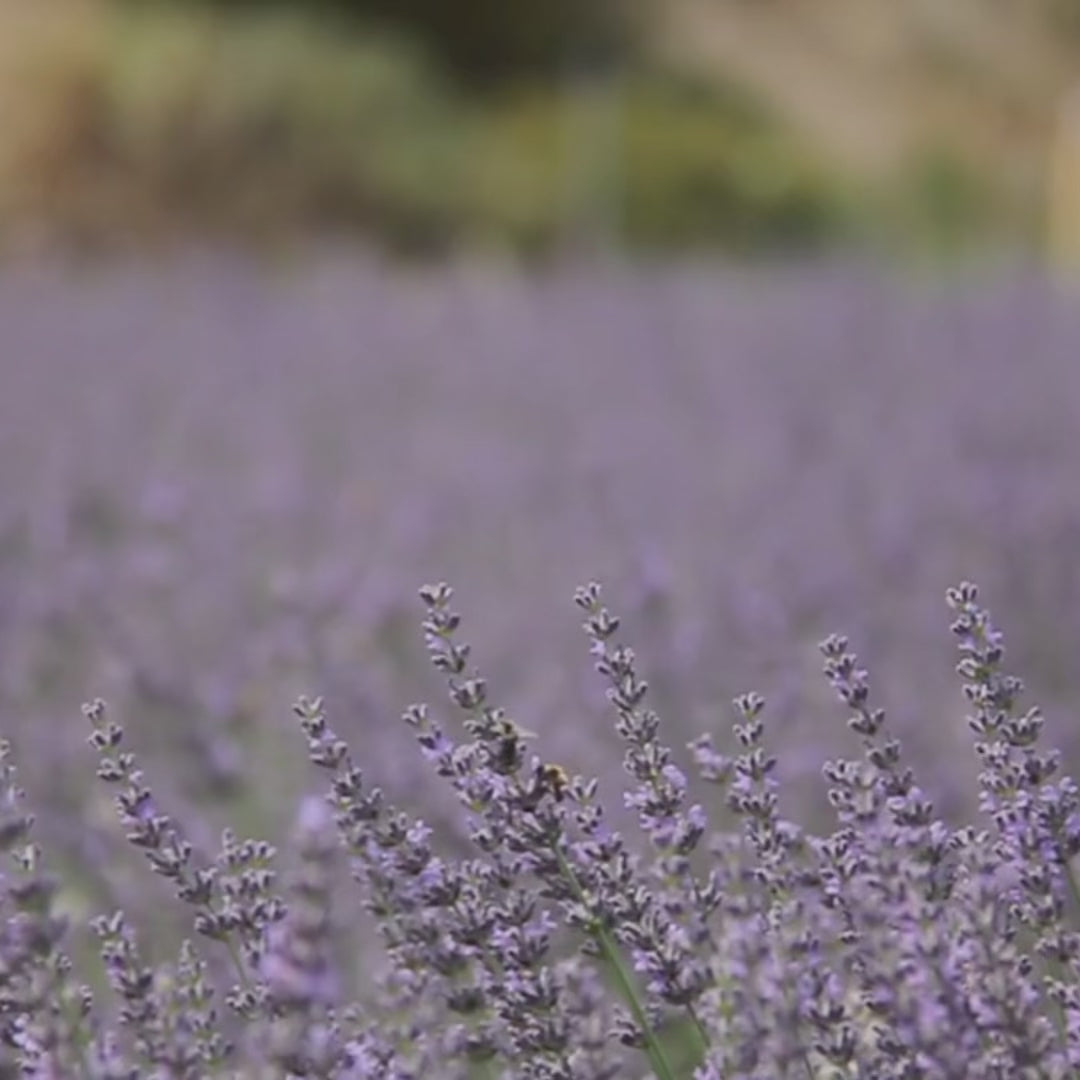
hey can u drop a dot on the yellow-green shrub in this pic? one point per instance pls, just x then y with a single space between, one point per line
653 168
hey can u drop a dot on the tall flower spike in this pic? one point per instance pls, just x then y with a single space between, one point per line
672 930
43 1012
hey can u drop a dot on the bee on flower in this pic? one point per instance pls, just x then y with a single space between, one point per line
554 779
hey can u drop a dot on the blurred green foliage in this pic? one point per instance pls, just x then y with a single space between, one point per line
176 119
485 41
701 171
259 123
672 166
947 206
262 124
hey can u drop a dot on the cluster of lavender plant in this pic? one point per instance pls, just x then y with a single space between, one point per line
894 946
218 486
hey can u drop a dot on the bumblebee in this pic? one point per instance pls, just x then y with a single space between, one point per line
508 746
554 779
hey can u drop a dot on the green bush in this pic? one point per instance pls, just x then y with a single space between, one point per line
271 121
655 166
700 172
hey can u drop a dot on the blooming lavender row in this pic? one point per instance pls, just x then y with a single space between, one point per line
225 506
556 944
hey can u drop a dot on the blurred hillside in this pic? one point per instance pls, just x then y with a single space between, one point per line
967 92
748 125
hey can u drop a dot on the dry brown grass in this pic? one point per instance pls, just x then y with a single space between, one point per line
876 83
873 79
52 61
1063 211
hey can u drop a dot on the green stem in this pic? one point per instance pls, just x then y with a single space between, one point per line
703 1035
610 948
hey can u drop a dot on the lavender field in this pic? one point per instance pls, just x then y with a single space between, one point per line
221 488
